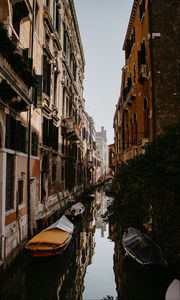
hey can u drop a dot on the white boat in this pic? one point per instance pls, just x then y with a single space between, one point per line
75 210
173 291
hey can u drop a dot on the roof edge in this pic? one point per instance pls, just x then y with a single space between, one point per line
131 19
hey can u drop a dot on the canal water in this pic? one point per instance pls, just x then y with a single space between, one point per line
92 268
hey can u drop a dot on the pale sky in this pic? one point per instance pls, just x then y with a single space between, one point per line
103 25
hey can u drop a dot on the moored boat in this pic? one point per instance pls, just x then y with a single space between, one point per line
75 210
52 240
142 249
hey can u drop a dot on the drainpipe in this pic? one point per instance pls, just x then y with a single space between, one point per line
152 69
29 174
29 138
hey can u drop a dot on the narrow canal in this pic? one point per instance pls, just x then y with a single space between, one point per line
92 268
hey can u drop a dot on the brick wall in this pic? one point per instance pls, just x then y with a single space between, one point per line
165 27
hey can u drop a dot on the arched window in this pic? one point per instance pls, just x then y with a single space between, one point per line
20 11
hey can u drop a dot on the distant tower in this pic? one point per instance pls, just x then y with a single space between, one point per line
101 142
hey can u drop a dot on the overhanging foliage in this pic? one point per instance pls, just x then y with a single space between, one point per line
147 187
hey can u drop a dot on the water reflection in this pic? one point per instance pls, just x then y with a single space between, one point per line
60 277
133 282
93 267
99 280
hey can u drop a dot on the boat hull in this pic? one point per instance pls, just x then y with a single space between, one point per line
142 249
51 241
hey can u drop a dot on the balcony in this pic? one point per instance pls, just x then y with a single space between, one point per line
13 54
132 94
129 153
48 18
70 129
13 97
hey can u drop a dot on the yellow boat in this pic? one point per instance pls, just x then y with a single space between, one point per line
51 241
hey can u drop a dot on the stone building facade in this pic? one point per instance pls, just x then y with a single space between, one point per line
17 79
43 152
101 142
150 94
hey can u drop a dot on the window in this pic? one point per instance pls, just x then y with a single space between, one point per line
21 138
57 17
84 133
50 133
34 144
130 43
20 191
10 167
37 18
142 9
73 67
10 133
142 55
46 75
16 135
66 45
37 91
46 132
19 11
142 67
55 86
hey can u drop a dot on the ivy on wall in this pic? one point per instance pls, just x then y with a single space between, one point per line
146 190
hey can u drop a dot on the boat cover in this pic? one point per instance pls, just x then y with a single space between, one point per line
133 237
47 240
76 209
63 223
